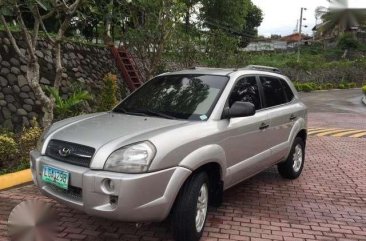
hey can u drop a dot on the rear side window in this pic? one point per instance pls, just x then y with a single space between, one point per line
274 93
288 91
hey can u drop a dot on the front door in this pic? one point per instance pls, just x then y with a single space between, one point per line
245 139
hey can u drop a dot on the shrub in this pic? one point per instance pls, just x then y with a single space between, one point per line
298 86
307 87
314 86
348 41
327 86
351 85
342 86
68 107
6 132
109 93
364 89
8 148
28 139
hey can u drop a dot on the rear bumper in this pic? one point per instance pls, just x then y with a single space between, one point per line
135 197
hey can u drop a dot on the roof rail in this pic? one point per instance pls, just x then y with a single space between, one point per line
263 68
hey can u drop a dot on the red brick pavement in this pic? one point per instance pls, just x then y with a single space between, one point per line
328 202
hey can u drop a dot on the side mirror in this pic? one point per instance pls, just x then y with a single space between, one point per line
239 109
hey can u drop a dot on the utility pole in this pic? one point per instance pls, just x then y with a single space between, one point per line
300 33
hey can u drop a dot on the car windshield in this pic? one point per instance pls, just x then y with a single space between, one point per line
189 97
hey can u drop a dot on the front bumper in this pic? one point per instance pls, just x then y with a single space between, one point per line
135 197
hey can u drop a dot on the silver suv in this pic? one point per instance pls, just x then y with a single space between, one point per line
173 146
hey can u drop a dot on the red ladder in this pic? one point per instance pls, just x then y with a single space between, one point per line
127 66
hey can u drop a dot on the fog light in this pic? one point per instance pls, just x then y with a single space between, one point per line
108 185
113 200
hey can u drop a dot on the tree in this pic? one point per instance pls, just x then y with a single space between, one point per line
40 12
339 18
230 25
253 20
150 32
218 14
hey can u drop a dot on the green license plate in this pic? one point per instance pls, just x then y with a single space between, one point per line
56 177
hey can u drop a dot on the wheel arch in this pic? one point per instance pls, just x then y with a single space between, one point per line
210 159
303 134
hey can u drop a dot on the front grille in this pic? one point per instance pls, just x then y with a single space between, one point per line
70 152
72 193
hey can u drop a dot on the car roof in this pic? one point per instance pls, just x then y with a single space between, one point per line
204 71
250 69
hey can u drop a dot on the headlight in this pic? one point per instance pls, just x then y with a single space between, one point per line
41 139
134 158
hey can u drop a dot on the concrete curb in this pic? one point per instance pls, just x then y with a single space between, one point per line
15 179
364 99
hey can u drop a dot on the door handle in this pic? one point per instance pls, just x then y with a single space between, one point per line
263 126
292 117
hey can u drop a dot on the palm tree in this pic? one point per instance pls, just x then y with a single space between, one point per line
339 18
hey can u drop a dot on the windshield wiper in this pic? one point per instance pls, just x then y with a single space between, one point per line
124 111
155 113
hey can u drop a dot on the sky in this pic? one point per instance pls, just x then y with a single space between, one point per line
280 16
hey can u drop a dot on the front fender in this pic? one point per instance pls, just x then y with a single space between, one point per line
204 155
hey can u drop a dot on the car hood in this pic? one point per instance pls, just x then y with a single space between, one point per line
99 129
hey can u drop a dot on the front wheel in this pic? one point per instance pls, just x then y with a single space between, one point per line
190 211
292 167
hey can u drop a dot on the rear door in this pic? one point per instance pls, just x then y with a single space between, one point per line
279 105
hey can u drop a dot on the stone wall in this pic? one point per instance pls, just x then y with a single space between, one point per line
85 66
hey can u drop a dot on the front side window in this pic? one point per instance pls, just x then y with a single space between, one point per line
273 91
246 90
190 97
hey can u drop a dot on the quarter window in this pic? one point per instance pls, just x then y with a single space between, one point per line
273 91
288 91
246 90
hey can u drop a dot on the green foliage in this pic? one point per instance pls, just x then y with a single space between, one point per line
253 20
327 86
14 157
219 14
337 20
348 41
364 89
68 107
108 98
8 149
351 85
311 86
342 85
307 87
6 132
28 139
220 48
153 27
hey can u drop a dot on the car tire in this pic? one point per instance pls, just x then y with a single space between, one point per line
190 209
292 167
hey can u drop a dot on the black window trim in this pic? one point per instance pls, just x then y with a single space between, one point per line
264 108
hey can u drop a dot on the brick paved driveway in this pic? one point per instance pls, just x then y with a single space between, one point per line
328 202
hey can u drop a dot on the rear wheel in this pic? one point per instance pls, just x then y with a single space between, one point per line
190 211
294 164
